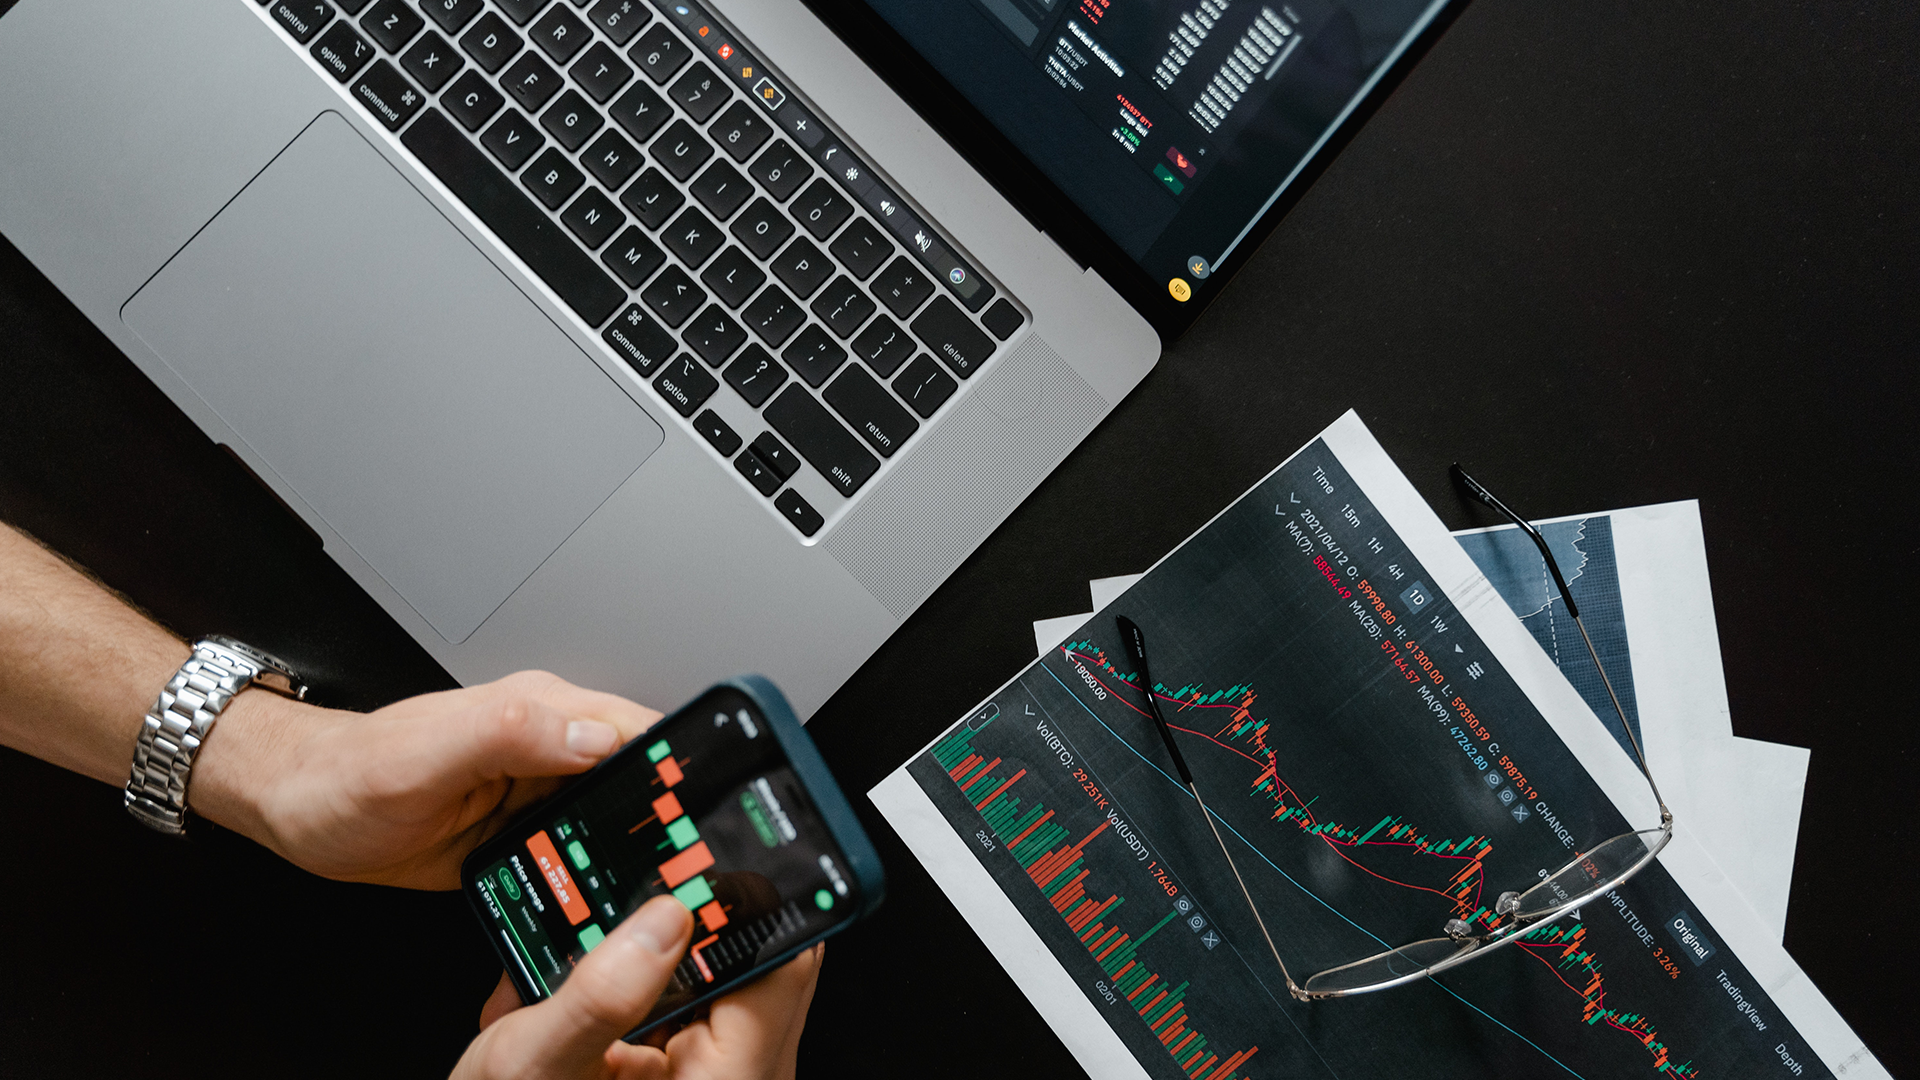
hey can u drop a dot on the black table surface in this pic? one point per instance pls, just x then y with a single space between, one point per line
1606 255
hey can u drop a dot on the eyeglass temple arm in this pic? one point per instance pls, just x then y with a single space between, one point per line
1136 646
1479 491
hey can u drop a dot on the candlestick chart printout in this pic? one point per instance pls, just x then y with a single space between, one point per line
1375 772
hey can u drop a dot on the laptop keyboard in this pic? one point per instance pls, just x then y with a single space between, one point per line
731 249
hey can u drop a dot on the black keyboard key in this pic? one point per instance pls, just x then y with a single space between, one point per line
820 209
775 454
733 277
659 53
513 217
813 355
952 336
763 228
902 287
491 42
641 112
651 198
601 72
521 10
680 150
572 120
472 100
821 439
883 345
774 316
342 52
872 412
302 18
755 374
633 258
531 81
781 169
611 159
432 61
842 306
673 296
924 386
797 510
349 7
861 249
716 431
513 139
392 24
388 95
802 267
593 218
1003 319
741 130
552 178
685 384
452 15
641 342
618 19
714 335
763 479
721 189
700 92
692 237
560 34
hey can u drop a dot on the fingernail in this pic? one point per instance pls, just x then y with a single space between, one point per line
592 737
657 925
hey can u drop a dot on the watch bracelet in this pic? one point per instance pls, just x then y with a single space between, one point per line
174 730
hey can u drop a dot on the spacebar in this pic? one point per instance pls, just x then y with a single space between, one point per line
513 217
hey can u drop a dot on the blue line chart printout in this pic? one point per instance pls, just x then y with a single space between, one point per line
1383 750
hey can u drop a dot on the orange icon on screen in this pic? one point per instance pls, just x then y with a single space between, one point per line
726 52
702 31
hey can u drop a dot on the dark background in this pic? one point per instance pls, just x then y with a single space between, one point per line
1604 255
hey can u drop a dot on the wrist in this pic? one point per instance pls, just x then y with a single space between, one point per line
245 757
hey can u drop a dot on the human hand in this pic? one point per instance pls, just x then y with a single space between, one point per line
399 796
750 1034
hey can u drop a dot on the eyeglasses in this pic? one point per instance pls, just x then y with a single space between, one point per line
1519 913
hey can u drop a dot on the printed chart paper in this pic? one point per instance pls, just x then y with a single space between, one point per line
1640 578
1385 748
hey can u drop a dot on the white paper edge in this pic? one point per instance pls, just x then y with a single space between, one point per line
1008 936
1705 884
980 899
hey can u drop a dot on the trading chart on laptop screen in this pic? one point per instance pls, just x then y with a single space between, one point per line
1173 123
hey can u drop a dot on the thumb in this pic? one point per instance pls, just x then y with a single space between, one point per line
609 993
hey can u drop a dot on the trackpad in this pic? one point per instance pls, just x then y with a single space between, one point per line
392 376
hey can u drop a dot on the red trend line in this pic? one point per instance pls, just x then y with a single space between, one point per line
1466 885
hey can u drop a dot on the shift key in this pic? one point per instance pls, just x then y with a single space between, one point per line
826 444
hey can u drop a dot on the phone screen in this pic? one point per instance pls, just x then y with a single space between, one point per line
704 807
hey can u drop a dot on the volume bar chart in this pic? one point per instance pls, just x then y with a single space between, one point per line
1038 841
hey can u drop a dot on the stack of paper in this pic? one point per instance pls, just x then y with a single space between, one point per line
1390 731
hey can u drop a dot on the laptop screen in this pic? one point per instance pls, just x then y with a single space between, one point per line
1174 125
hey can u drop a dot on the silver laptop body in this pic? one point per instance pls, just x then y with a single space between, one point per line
651 341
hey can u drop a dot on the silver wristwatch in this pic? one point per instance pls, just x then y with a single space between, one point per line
177 725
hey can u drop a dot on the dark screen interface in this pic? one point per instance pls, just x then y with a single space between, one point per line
1174 124
705 808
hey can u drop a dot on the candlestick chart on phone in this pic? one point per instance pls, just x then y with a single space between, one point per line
1375 773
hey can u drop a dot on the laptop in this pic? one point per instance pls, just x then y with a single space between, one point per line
649 341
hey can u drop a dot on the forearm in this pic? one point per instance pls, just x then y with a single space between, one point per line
79 668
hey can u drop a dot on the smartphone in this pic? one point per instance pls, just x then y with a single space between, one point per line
726 806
